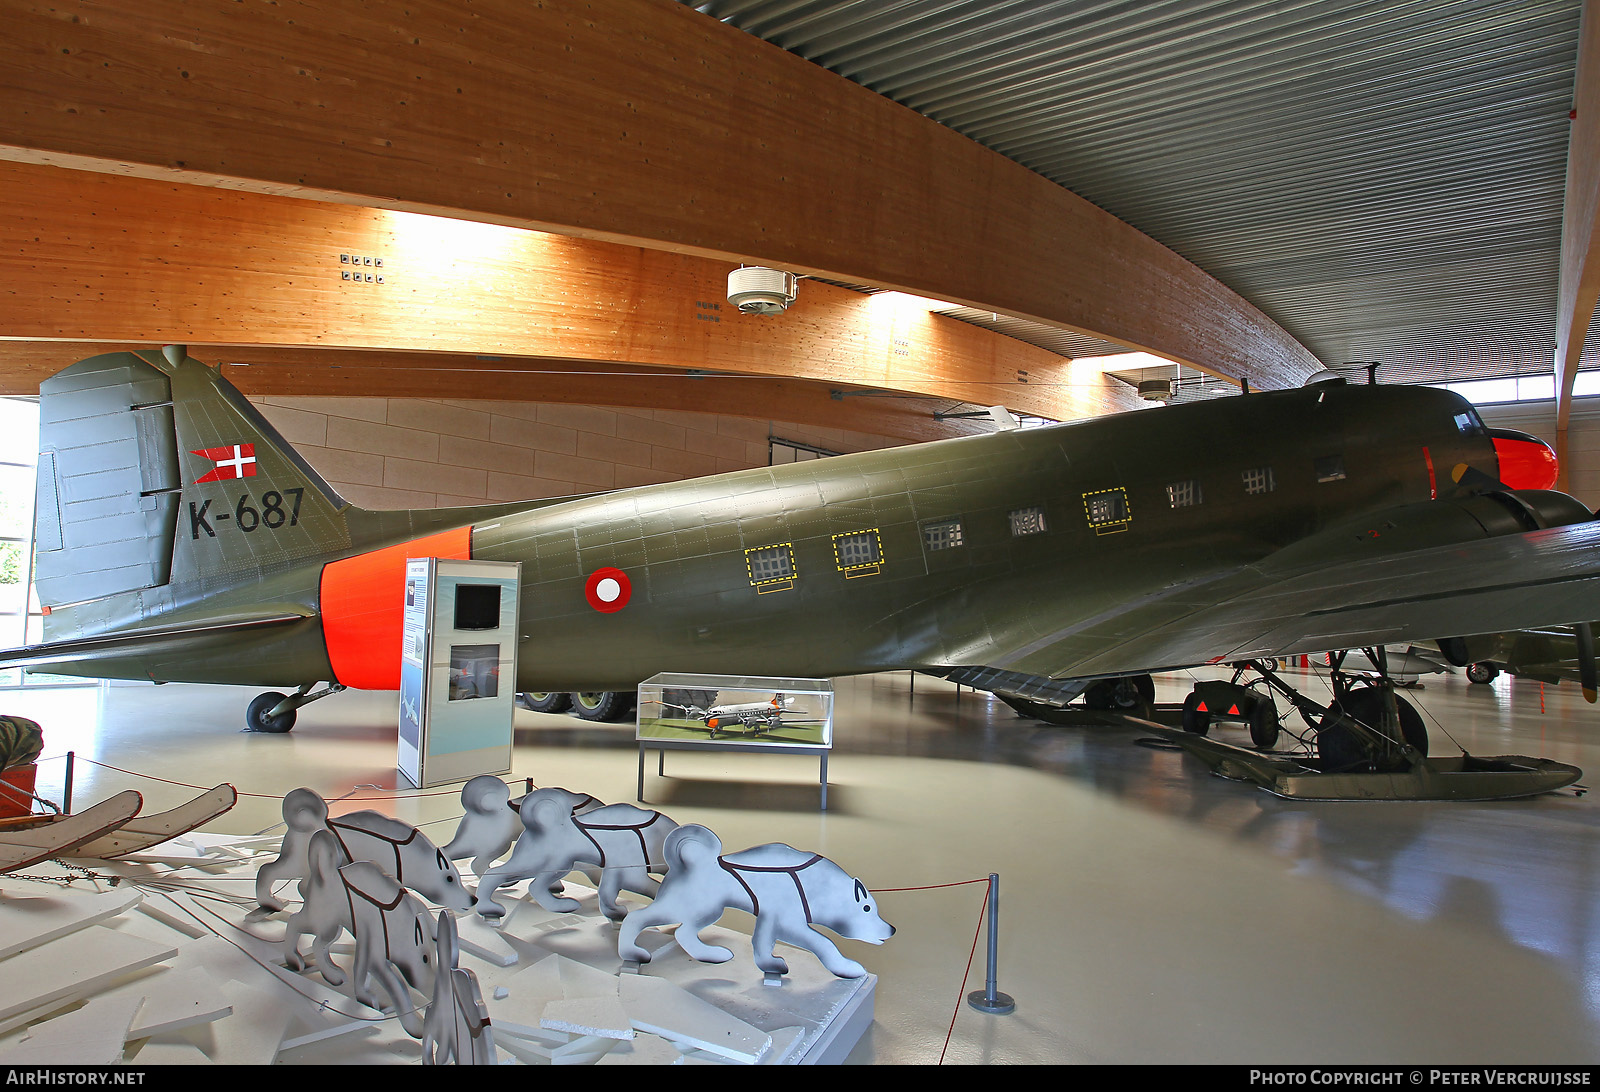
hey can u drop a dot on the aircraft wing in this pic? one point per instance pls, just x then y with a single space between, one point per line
1295 603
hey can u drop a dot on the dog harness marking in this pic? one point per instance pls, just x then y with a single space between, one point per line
792 871
638 830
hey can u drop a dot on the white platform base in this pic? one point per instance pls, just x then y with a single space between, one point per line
555 990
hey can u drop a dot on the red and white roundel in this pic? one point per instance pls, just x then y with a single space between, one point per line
608 590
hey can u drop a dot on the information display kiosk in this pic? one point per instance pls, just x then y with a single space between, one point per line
458 669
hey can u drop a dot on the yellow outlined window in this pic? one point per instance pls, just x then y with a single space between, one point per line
858 553
771 568
1107 510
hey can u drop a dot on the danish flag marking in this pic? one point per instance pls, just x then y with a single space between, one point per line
233 461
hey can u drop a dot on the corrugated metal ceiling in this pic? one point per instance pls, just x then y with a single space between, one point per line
1383 179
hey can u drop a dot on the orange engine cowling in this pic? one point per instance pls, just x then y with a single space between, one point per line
1526 462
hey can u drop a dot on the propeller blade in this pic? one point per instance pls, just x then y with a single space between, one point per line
1586 665
1475 480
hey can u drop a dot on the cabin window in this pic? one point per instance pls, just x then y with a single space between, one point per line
1107 510
1183 494
1259 480
943 535
858 553
771 568
1027 521
1330 468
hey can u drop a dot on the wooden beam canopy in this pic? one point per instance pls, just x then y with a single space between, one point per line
107 258
644 123
1579 285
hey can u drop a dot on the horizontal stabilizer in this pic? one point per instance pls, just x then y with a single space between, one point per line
58 653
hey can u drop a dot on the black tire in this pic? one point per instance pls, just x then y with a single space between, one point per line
604 705
1264 724
553 702
1101 695
1133 693
256 719
1342 750
1195 721
1482 673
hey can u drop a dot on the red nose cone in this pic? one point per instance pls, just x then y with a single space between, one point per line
1526 462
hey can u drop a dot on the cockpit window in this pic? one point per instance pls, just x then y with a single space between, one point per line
1470 424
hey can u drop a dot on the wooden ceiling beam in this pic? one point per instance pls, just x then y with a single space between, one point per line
106 258
645 123
266 371
1579 285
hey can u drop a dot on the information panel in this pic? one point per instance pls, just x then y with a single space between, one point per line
458 669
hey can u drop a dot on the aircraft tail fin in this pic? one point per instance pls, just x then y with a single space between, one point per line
155 470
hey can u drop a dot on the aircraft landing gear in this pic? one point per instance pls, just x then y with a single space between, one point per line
276 713
1482 672
1129 694
1368 728
604 705
551 702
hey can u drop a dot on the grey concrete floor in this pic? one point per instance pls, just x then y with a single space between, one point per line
1150 912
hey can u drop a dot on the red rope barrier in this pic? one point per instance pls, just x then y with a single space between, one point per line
397 795
962 992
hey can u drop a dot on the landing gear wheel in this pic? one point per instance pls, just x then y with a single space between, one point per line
1482 672
1264 724
1195 720
604 705
545 703
257 720
1131 693
1342 750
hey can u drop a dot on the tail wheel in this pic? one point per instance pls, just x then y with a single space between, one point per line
603 705
256 717
545 703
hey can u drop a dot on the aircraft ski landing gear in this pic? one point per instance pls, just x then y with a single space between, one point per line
1340 746
1370 745
1367 728
276 713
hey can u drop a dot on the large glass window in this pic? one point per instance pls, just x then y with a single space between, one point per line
19 443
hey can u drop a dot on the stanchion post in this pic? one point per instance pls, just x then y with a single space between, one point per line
66 792
990 999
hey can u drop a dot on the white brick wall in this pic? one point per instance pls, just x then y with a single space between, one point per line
422 453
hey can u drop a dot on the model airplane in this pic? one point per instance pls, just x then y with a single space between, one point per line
180 538
758 716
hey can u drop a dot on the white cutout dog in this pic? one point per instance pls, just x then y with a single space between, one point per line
393 930
788 890
491 821
398 848
624 841
457 1027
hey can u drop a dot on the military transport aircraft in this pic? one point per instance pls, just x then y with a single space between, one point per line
180 538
